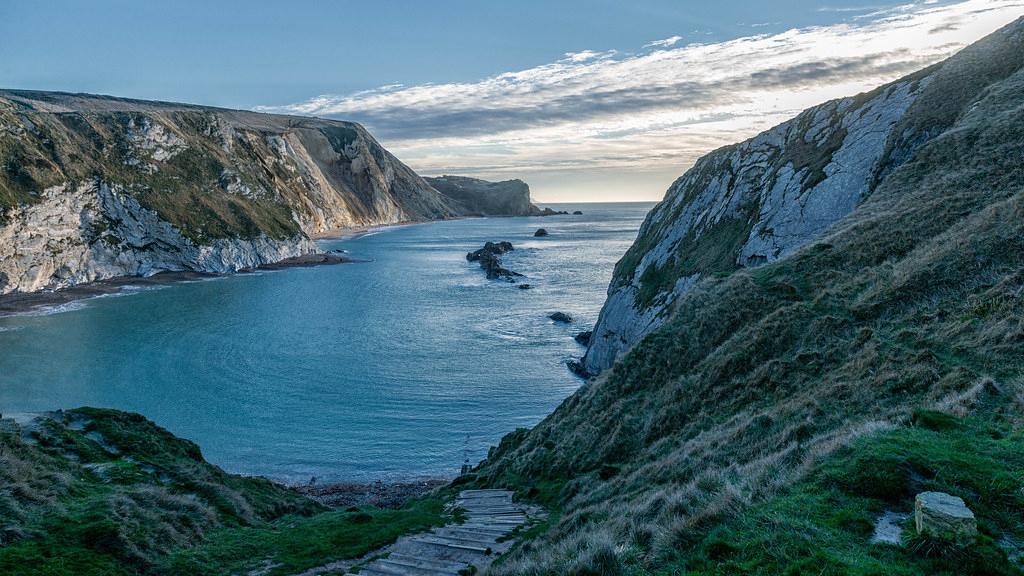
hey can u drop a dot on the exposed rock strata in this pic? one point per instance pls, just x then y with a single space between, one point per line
93 187
755 202
95 231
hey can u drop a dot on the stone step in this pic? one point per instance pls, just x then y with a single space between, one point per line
372 571
451 543
485 491
396 567
494 531
426 562
502 529
440 552
489 519
485 498
470 540
468 535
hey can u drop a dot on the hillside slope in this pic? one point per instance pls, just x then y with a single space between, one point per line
777 411
93 187
93 492
753 203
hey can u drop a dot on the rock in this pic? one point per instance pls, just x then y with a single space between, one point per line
477 197
492 248
105 233
889 528
525 287
577 213
761 192
561 317
540 232
583 337
944 516
117 201
489 258
550 212
577 368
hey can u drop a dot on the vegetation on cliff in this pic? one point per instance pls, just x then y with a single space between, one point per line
212 173
780 410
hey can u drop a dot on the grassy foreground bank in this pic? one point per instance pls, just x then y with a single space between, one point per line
101 492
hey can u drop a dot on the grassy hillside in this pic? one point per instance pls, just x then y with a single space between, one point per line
100 492
781 409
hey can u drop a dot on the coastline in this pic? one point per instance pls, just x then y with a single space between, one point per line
28 302
21 303
381 494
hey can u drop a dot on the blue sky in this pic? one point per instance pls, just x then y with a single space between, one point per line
447 85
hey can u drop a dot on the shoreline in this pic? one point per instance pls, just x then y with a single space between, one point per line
20 303
380 494
25 303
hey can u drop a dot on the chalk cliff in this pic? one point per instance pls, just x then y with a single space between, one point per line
93 187
755 202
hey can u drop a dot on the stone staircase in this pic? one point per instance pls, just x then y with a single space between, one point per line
452 550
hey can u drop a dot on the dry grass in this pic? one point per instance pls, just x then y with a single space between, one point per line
914 301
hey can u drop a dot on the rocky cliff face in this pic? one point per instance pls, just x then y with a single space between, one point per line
474 197
758 201
93 187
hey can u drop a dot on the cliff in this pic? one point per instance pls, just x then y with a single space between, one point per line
475 197
756 202
93 187
804 381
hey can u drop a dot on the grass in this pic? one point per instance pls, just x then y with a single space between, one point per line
779 409
293 544
824 523
93 492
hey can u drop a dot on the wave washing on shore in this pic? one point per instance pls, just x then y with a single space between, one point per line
400 367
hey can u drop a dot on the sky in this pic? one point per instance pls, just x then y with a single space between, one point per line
595 100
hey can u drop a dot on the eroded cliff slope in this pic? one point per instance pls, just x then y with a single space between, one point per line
781 411
93 187
756 202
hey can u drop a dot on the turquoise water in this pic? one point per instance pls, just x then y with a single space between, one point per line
398 367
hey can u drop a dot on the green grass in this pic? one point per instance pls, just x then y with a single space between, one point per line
96 491
824 523
296 543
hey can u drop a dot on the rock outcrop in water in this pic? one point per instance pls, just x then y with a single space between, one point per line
94 187
758 201
489 258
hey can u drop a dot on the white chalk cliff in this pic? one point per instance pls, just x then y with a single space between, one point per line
752 203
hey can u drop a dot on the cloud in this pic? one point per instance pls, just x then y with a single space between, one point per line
654 111
665 43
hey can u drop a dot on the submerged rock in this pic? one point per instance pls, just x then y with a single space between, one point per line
944 516
560 317
540 232
524 287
